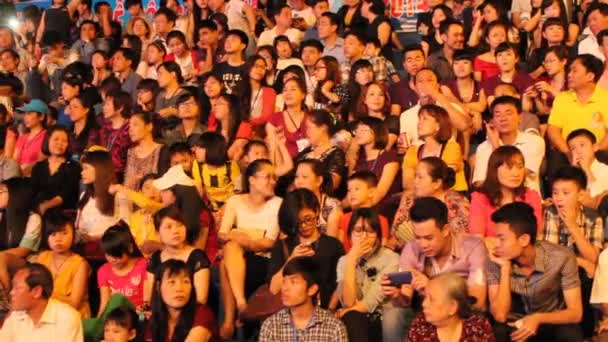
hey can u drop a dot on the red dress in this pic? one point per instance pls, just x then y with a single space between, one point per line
487 69
476 328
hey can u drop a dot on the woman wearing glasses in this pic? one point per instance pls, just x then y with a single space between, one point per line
298 218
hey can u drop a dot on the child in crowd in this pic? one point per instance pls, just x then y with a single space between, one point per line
372 53
70 271
582 145
361 188
125 272
254 150
121 325
181 54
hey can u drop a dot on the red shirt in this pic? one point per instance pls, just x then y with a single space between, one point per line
475 328
131 285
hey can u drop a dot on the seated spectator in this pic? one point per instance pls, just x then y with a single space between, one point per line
230 124
374 101
446 309
176 314
20 226
366 312
372 154
504 183
361 193
231 70
377 54
145 156
98 210
283 19
548 87
114 134
434 241
216 173
124 273
451 32
518 313
249 228
485 64
297 218
147 90
70 271
433 178
310 174
435 130
257 98
530 122
506 59
286 55
121 325
28 148
189 113
89 42
124 62
582 145
181 54
171 226
153 57
403 94
81 112
329 93
31 300
300 280
169 80
504 129
429 91
100 62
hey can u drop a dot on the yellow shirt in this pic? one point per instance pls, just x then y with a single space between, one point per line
569 114
141 222
451 155
64 279
218 182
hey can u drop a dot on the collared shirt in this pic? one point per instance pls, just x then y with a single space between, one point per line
531 146
592 115
129 84
588 219
368 276
336 51
555 271
177 134
442 66
467 259
59 323
322 327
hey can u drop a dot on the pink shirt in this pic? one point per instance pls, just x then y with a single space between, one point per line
29 151
480 215
130 285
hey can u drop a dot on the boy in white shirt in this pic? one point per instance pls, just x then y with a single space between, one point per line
582 146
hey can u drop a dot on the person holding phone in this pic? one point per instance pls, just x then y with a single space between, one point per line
445 251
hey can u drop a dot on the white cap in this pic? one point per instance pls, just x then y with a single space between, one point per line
174 176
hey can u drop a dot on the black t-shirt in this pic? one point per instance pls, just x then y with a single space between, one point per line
327 252
230 75
197 260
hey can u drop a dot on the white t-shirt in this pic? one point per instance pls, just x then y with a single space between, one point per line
600 173
91 221
531 146
267 37
261 222
590 45
307 14
599 291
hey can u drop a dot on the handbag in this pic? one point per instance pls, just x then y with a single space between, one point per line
263 303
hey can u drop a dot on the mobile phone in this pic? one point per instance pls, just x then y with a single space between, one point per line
399 278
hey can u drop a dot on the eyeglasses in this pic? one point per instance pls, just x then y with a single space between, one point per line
308 220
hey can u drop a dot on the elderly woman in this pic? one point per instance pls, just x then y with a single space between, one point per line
446 314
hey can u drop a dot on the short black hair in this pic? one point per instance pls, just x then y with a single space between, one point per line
334 20
122 101
251 144
313 43
582 132
358 35
131 3
208 24
124 316
413 47
307 267
47 137
365 176
597 6
90 22
502 100
368 214
54 221
169 14
464 54
117 241
520 218
592 64
39 275
240 34
179 147
128 54
504 46
570 173
14 54
176 34
444 27
429 208
280 38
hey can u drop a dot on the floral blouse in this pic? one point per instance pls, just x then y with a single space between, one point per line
476 328
458 217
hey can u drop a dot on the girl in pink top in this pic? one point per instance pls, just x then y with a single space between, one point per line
504 184
28 149
125 271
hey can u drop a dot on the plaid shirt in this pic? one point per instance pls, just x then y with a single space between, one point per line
556 231
322 327
379 64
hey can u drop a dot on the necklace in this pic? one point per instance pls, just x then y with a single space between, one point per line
56 268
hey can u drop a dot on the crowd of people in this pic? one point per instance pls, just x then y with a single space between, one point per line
302 171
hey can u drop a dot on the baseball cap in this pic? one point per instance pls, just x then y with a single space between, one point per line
35 105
